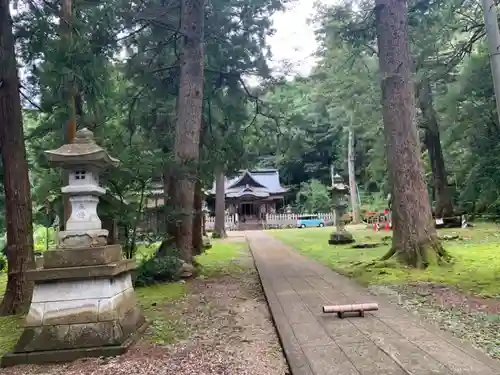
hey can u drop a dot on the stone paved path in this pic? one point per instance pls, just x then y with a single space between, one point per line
387 342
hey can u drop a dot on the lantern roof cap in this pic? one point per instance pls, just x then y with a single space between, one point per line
82 151
338 184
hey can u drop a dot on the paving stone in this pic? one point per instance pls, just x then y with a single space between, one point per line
311 334
411 357
295 310
373 327
369 359
329 360
342 331
454 358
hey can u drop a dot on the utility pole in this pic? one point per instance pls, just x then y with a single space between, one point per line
493 37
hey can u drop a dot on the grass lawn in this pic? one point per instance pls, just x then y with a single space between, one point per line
476 266
220 259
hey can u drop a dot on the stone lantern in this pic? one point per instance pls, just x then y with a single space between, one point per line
206 240
82 160
83 302
339 192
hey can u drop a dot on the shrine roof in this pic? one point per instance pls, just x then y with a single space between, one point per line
258 183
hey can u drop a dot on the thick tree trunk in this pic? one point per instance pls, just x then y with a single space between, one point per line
198 219
198 229
189 116
414 241
172 217
432 141
171 226
220 205
352 177
18 213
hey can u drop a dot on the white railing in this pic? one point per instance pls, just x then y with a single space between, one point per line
290 220
230 222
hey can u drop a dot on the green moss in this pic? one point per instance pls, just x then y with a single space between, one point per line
10 329
160 293
10 326
475 267
164 322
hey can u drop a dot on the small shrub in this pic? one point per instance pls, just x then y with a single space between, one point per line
158 270
40 238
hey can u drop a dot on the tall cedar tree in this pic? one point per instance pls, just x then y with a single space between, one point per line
18 213
220 204
432 141
188 126
65 22
414 241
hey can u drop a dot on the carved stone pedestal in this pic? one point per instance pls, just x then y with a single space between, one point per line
83 305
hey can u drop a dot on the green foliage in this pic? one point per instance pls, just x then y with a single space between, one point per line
123 59
308 130
314 197
40 238
374 202
157 269
3 263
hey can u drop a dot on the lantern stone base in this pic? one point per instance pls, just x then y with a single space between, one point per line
83 238
340 238
79 310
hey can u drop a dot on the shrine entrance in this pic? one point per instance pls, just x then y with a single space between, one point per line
248 210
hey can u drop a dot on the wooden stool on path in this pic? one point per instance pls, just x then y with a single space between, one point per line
359 309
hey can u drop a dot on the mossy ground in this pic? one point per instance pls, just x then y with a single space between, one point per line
221 259
475 267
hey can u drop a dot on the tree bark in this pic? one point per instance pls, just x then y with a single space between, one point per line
352 178
414 241
18 213
432 141
198 197
198 219
220 205
171 227
189 116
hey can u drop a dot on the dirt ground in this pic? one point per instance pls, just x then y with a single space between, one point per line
227 329
471 318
